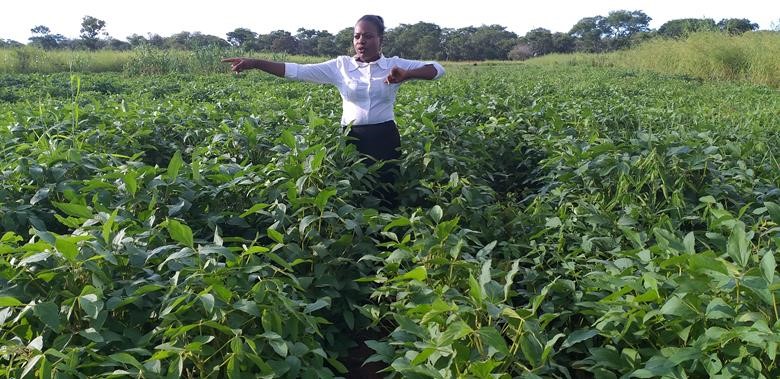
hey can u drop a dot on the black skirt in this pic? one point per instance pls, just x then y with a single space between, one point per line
379 141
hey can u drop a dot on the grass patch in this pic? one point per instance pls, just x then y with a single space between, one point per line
750 57
137 61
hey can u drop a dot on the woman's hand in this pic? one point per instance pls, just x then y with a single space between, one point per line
397 75
239 64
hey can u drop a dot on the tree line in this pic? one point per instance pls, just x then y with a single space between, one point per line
618 30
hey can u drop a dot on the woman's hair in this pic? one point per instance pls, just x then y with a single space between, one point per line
376 21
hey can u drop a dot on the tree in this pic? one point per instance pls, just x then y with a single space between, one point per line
136 40
458 44
308 39
241 37
621 25
91 28
684 26
156 40
737 25
326 45
41 29
492 42
283 42
43 38
191 41
200 40
563 43
588 33
419 41
343 41
521 52
115 44
4 43
179 41
540 41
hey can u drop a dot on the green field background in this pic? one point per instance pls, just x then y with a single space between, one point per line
554 220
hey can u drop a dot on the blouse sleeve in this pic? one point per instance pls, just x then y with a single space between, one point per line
408 64
324 73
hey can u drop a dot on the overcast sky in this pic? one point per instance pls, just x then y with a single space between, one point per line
219 17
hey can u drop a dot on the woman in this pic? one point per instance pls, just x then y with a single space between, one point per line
367 82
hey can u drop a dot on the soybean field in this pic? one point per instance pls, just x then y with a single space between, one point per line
552 222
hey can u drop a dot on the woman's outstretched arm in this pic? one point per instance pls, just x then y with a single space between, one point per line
241 64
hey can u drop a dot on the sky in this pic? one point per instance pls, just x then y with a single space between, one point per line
215 17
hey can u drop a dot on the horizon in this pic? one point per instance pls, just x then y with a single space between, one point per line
170 18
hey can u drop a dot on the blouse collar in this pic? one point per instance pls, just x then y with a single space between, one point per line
381 62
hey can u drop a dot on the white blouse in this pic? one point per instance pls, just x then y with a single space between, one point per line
367 99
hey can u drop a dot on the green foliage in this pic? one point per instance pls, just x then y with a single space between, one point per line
748 57
91 28
552 222
685 26
421 41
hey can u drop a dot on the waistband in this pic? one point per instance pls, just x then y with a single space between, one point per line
381 124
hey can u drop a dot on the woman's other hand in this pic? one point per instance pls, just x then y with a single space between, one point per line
397 75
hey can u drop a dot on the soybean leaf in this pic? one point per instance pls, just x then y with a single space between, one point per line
92 335
486 250
423 356
737 247
254 209
41 194
7 301
319 304
108 226
275 235
305 222
340 368
774 211
73 209
436 213
31 363
677 307
485 274
475 290
491 337
131 182
400 221
689 242
49 313
91 305
173 166
126 359
276 342
578 336
548 347
322 198
509 278
180 232
454 332
718 309
67 248
288 139
208 302
768 266
419 273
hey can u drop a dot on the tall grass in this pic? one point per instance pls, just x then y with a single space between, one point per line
142 60
751 57
30 59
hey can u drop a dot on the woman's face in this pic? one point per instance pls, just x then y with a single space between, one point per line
366 41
